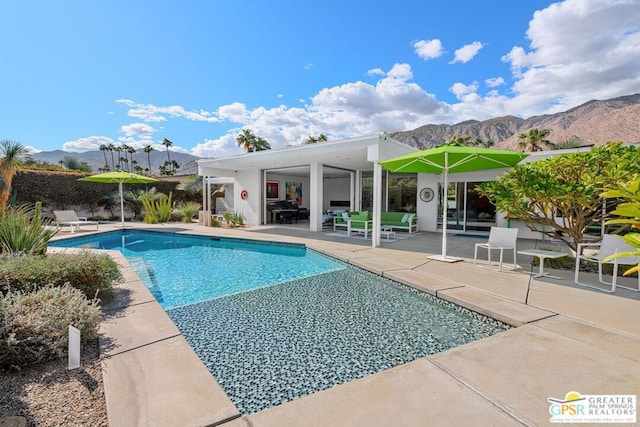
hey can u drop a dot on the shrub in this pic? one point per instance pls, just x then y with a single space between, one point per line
34 326
233 219
22 231
159 209
188 210
91 273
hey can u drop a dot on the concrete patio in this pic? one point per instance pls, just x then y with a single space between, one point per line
567 338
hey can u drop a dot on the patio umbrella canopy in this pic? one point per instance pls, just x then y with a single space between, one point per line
119 177
448 158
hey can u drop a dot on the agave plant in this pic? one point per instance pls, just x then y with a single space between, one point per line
23 231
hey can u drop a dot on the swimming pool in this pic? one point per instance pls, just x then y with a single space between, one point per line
185 269
274 344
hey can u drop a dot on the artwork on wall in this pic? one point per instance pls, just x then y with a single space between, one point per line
273 190
294 192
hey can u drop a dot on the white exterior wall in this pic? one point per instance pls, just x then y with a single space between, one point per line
335 189
282 182
250 208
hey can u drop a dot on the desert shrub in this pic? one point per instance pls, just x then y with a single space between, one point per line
159 209
34 326
22 230
93 274
233 219
187 211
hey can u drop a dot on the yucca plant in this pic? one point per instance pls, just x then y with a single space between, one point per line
23 231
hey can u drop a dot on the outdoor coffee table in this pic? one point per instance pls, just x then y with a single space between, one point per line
387 232
542 254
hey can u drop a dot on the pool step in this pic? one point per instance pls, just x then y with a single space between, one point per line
147 275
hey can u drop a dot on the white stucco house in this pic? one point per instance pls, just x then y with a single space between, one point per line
346 174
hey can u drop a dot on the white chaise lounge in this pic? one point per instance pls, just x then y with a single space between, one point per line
72 219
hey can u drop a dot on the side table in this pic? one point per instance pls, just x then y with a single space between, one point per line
543 254
387 232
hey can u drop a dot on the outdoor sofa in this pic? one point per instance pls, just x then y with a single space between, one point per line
362 222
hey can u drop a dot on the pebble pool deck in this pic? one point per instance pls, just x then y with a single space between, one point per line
272 345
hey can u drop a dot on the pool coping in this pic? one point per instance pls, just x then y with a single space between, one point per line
135 399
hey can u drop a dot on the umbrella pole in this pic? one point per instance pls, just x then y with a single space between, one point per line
445 208
121 204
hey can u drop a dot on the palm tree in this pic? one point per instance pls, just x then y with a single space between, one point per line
10 162
312 139
112 148
461 140
131 151
148 149
168 169
104 148
535 140
251 142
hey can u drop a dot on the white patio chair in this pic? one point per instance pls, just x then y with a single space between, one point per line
609 245
500 239
72 219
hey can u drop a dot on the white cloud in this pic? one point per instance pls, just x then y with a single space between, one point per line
279 96
494 82
87 144
139 129
428 49
32 150
308 66
153 113
579 50
467 52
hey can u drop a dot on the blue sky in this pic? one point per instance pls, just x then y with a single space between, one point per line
77 74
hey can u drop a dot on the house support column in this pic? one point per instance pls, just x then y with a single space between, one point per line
357 185
377 204
315 196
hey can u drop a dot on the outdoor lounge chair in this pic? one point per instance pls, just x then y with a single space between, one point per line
500 239
609 245
72 219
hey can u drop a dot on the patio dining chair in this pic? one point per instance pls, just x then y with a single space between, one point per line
610 245
500 239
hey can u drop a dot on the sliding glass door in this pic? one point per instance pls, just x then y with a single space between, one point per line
466 209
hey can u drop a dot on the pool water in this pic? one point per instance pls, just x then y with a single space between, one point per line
183 269
276 322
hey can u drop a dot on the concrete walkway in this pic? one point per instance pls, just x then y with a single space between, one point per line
567 338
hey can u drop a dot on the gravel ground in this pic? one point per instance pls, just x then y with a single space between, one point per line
50 395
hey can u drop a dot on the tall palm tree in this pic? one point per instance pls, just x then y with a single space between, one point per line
168 164
167 144
112 148
535 140
251 142
10 162
131 152
104 148
148 149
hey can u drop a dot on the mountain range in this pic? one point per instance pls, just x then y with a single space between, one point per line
592 123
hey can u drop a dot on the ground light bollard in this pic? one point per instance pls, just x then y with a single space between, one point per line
74 348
